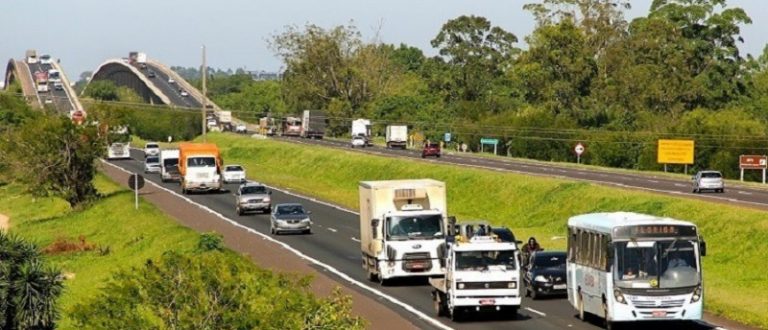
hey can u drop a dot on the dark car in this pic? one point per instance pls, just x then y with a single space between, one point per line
546 274
290 217
151 74
430 149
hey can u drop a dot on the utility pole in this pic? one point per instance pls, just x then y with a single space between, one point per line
204 72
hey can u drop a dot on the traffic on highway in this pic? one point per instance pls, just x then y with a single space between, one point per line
619 269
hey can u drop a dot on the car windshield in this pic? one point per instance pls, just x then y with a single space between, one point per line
549 261
711 175
290 209
170 162
661 264
419 226
152 146
152 160
251 190
234 168
483 260
201 162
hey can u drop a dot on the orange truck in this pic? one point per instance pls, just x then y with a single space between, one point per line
200 167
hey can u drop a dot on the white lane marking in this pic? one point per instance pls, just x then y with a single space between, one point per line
745 192
332 229
563 171
535 311
680 185
300 254
355 239
653 181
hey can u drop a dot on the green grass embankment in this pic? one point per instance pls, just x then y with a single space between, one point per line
735 271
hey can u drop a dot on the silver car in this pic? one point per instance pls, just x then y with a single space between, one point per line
708 180
252 197
152 164
290 218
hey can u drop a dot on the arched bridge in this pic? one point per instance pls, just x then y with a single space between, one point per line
58 93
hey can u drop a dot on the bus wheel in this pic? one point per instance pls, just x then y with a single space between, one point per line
581 308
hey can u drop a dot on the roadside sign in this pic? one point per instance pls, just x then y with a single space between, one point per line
489 141
447 137
134 181
579 149
675 152
753 162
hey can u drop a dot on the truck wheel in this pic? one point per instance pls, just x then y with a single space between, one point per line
457 314
512 314
371 276
534 294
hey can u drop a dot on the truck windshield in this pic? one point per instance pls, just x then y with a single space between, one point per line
417 226
170 162
662 264
483 260
201 162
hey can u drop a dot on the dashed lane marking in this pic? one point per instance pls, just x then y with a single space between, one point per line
542 314
332 229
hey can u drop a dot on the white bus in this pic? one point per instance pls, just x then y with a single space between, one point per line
119 143
626 267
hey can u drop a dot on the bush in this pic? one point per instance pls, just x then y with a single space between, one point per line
212 291
149 122
210 241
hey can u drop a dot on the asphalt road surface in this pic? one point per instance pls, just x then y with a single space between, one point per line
172 90
334 241
744 196
59 98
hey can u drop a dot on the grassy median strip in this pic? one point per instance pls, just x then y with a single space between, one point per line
735 271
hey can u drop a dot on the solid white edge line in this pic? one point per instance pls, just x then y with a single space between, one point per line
298 253
542 314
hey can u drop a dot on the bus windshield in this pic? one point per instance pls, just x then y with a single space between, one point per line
417 226
665 264
482 260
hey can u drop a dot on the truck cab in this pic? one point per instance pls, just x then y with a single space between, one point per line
200 167
482 274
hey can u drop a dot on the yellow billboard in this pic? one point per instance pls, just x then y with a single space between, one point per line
675 152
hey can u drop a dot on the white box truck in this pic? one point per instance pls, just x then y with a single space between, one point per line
402 228
482 273
169 165
362 127
397 136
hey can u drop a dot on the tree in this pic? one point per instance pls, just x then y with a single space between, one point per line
53 156
28 287
210 291
102 90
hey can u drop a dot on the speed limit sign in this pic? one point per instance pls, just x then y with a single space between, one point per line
579 149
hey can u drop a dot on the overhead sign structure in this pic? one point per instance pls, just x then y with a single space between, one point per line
675 152
494 142
579 149
753 162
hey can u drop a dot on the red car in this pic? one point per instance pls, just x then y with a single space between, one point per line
431 149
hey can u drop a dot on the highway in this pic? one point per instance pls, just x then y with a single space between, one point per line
335 242
741 195
169 89
59 98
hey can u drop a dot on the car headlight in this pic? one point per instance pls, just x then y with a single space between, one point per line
540 278
512 285
267 200
696 294
305 220
461 286
619 297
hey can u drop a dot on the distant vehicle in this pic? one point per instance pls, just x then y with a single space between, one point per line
46 59
183 93
397 136
430 149
48 100
546 274
151 149
225 120
77 116
211 123
251 197
118 139
58 86
171 81
358 141
31 56
291 126
41 79
708 180
234 173
169 165
505 235
151 74
290 217
54 75
631 267
362 127
200 167
152 164
241 128
313 124
267 126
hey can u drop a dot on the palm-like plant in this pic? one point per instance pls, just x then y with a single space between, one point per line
28 288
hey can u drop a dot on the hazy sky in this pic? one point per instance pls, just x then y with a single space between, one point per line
83 33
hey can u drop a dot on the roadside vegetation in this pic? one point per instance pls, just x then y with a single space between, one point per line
530 206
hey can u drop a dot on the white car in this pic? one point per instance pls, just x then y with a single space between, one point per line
46 59
151 149
234 173
240 128
358 141
184 93
171 81
152 164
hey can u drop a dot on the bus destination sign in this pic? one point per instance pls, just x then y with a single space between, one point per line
654 231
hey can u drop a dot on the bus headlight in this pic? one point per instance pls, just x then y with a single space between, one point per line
696 294
619 296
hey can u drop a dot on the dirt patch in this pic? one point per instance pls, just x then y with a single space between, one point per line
65 245
5 222
264 253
